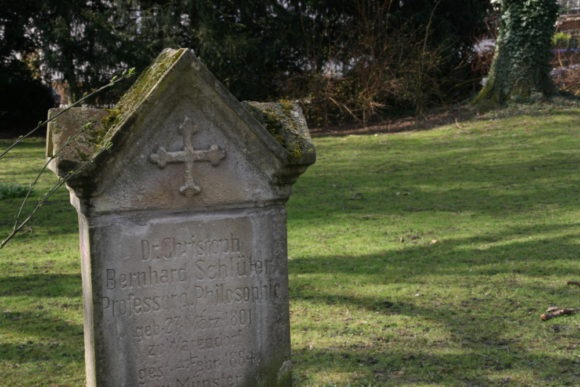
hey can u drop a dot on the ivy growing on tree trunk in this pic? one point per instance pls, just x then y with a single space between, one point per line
521 63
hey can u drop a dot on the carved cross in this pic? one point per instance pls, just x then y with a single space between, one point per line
189 156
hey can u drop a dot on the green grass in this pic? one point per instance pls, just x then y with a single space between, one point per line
41 334
422 258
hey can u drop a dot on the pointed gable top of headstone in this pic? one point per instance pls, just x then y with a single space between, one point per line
178 139
181 192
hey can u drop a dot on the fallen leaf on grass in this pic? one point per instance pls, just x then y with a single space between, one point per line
554 311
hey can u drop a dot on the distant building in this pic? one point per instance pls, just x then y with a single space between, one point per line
569 7
569 20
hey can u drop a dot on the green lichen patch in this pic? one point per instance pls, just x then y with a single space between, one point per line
141 88
285 122
75 134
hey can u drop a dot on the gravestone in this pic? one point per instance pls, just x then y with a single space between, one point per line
180 191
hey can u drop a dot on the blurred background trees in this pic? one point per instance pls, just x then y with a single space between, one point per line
345 60
521 64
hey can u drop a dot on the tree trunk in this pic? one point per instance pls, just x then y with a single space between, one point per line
521 63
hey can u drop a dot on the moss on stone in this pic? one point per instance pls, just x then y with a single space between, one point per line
111 119
140 89
285 122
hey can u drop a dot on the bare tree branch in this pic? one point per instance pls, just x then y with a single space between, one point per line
125 75
20 223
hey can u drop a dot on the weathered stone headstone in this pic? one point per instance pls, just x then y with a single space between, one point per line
180 191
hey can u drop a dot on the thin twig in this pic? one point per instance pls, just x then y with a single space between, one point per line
61 181
126 75
343 106
30 189
18 224
18 227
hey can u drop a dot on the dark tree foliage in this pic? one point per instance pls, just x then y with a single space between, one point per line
391 56
350 59
14 22
250 45
23 100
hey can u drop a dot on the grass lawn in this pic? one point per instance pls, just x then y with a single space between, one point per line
418 258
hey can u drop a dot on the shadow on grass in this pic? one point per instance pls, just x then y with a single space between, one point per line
32 143
445 369
446 184
53 339
41 285
526 250
449 115
39 334
491 330
484 286
479 354
56 215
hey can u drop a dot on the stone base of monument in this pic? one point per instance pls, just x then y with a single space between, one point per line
181 191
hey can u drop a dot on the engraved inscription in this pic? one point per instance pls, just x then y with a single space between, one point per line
189 298
188 156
